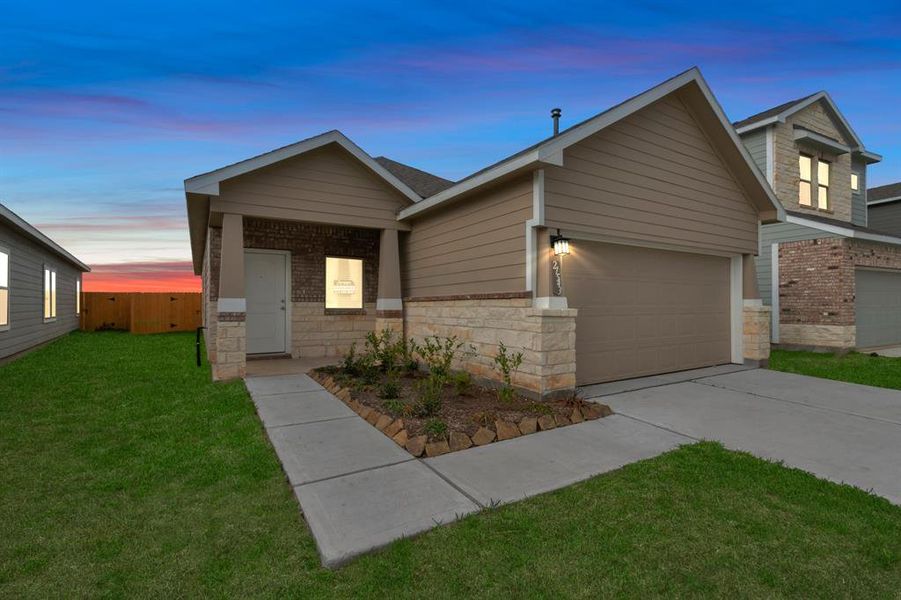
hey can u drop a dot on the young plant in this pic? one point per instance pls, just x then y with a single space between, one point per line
385 350
507 363
439 354
428 400
436 429
396 406
462 381
389 388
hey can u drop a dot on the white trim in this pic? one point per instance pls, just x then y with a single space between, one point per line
208 183
774 293
550 302
843 231
736 306
817 139
758 125
226 305
537 220
883 201
770 155
550 151
389 304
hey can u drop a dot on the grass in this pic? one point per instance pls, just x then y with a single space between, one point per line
125 472
853 367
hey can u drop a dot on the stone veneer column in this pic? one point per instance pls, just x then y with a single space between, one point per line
231 333
389 304
756 333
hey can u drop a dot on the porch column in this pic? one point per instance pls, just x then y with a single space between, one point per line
389 303
548 294
755 317
231 333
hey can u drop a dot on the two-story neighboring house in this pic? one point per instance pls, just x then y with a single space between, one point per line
832 280
884 208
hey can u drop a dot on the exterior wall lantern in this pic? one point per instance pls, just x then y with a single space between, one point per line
560 244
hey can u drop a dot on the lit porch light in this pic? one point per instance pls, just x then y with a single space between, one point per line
560 244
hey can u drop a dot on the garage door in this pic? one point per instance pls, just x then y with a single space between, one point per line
878 308
645 311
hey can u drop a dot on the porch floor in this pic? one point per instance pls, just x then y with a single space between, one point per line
287 366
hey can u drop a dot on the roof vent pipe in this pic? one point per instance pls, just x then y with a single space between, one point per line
555 115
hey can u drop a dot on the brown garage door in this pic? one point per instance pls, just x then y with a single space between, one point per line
645 311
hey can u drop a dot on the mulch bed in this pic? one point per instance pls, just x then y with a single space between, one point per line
476 417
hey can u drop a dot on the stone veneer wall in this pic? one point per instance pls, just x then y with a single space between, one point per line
547 338
315 332
817 288
231 346
756 332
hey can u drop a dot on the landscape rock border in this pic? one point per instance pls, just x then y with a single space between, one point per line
457 440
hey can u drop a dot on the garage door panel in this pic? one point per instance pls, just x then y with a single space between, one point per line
644 311
878 308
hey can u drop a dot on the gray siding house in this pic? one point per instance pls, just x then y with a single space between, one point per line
40 287
832 277
884 208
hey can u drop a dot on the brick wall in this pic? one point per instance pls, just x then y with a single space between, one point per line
309 244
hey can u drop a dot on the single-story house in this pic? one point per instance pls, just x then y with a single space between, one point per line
306 249
884 208
40 287
832 278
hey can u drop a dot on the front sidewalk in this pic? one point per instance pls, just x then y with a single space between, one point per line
359 491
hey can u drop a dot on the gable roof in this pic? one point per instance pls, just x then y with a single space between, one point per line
884 193
423 183
208 183
778 114
32 232
550 150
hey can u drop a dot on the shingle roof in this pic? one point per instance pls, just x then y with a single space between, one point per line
30 231
837 223
423 183
883 192
770 112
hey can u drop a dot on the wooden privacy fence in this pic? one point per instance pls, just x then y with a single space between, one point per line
140 312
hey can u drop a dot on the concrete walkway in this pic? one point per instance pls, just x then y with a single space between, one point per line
842 432
359 491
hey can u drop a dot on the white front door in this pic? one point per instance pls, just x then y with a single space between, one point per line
266 288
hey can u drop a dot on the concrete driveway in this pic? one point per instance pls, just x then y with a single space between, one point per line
838 431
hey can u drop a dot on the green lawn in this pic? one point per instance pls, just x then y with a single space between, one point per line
124 472
852 366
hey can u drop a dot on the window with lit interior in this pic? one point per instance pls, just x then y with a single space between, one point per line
822 184
805 164
4 289
855 182
49 293
343 283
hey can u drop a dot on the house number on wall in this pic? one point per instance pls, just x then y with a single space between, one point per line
556 278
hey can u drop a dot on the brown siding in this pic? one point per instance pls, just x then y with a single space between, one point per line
26 319
785 171
476 246
652 177
327 185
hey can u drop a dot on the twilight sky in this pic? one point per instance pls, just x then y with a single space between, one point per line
105 107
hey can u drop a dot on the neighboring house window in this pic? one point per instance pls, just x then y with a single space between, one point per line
4 289
855 183
49 293
805 164
343 283
822 184
77 297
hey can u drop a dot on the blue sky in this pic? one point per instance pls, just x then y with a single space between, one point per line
107 106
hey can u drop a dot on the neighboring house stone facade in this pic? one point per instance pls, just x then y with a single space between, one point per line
813 268
660 185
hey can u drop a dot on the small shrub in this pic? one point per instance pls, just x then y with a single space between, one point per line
355 364
386 351
396 406
428 400
462 381
389 389
439 354
507 364
540 407
436 429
